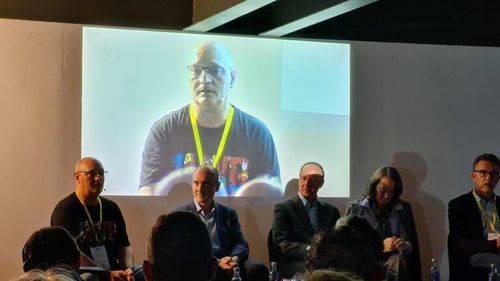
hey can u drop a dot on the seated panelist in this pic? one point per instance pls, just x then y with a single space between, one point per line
228 243
299 218
474 239
96 223
393 219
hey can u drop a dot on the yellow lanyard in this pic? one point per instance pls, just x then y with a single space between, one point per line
197 140
90 218
491 223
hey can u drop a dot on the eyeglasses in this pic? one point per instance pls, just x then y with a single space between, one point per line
213 70
93 173
484 173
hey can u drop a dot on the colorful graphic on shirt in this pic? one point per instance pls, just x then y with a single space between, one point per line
107 232
233 170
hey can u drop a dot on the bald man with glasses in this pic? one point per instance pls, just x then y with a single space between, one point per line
210 131
96 223
474 240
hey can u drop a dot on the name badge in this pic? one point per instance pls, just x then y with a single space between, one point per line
100 256
493 235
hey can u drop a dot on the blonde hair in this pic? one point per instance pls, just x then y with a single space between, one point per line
51 274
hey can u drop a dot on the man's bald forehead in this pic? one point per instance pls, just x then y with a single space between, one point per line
316 164
209 170
220 53
88 161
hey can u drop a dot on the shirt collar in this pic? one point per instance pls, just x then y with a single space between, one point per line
304 200
199 210
479 199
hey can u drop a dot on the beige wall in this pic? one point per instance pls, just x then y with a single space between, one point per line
428 110
40 127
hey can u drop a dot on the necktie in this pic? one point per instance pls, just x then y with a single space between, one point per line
312 211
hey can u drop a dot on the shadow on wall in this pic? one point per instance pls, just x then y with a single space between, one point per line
256 217
180 194
429 211
291 188
257 239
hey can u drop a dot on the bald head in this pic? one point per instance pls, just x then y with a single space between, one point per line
311 179
85 161
205 185
217 53
209 171
89 179
212 75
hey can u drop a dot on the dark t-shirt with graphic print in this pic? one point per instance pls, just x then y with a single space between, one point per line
70 214
249 151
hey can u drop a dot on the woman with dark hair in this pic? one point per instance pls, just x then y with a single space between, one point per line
393 219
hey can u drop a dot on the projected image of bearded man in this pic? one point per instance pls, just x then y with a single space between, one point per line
210 131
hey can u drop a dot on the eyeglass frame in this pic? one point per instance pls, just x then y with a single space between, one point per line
221 71
484 173
93 173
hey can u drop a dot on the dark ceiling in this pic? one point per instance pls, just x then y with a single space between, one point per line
451 22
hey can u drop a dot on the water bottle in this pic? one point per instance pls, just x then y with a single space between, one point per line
493 273
434 270
236 276
273 274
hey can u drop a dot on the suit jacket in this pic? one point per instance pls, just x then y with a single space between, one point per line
466 238
405 215
292 232
228 229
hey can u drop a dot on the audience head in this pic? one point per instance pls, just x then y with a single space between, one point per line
362 227
385 186
51 274
331 275
179 248
341 250
485 175
205 185
311 179
48 247
89 177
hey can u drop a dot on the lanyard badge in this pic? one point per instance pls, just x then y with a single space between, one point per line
197 139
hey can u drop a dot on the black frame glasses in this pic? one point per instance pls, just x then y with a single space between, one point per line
484 173
93 173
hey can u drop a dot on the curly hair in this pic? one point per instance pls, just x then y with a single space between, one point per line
341 250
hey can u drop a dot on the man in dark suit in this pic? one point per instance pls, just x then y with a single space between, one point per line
228 243
474 223
298 218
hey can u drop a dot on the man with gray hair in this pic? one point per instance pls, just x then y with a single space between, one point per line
210 131
298 218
